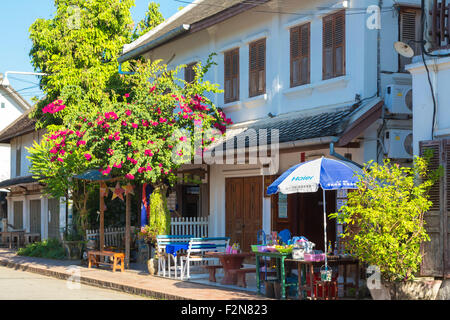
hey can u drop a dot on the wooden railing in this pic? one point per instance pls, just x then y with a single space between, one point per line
113 236
440 24
197 227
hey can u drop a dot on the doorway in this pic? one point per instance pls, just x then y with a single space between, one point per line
35 216
53 218
191 201
243 210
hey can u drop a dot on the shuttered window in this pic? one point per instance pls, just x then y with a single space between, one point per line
18 161
333 45
257 68
300 49
436 255
410 28
189 72
231 75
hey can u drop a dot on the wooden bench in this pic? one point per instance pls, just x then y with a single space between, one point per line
241 275
198 247
118 259
212 271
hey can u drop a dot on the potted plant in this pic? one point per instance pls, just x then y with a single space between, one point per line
385 227
148 235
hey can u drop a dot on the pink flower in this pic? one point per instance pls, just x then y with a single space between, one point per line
127 95
129 143
135 125
60 160
128 112
129 176
117 165
124 123
110 151
148 152
142 169
152 89
88 157
183 138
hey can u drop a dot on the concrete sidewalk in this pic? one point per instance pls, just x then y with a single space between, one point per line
130 281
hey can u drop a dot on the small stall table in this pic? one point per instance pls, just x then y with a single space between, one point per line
231 262
305 267
281 273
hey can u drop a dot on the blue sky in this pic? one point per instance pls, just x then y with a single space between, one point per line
16 16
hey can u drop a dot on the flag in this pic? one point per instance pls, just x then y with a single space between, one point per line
145 204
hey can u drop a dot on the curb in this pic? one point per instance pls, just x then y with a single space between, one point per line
93 282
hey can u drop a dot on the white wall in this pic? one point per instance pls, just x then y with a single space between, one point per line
10 112
423 102
23 142
237 32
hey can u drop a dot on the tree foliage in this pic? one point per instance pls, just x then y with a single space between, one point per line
153 17
384 217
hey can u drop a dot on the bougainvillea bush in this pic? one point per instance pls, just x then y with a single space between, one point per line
143 135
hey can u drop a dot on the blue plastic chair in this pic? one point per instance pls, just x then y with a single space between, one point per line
285 236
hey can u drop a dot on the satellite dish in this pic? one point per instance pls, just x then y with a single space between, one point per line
403 49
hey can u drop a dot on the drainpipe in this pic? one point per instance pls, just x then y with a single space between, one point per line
380 5
341 157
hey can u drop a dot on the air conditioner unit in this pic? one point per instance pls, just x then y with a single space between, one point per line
398 99
398 143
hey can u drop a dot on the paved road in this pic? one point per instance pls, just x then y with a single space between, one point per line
21 285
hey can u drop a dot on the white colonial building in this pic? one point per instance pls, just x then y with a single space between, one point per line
12 106
316 71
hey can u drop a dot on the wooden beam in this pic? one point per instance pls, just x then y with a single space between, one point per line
102 222
127 230
361 124
224 15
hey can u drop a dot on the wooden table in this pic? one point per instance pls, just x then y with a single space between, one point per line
281 273
305 267
230 262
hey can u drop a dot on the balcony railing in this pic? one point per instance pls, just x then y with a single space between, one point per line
440 24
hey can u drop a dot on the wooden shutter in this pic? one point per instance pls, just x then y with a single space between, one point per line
18 161
435 256
18 214
189 72
231 75
333 44
257 68
409 29
300 52
445 216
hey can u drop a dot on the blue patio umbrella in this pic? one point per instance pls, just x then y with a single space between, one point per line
329 174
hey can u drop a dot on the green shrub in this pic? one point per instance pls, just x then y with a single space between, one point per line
50 249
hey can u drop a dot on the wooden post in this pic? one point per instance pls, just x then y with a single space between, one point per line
102 222
127 230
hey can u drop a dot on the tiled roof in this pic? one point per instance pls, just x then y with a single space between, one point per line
17 181
295 127
20 126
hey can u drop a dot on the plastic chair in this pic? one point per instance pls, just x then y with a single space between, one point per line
285 236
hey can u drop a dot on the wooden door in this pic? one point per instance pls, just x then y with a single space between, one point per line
234 207
252 211
35 216
18 215
243 207
53 218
